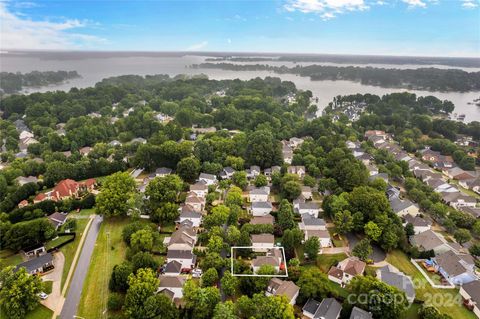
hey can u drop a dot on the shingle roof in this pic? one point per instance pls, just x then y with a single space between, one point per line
398 280
329 308
262 205
263 238
311 306
262 220
36 263
451 263
171 281
428 240
173 267
473 290
358 313
180 254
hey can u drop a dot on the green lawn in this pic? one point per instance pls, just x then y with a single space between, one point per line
436 278
9 258
70 249
57 241
47 287
41 312
325 262
109 251
337 240
445 300
412 312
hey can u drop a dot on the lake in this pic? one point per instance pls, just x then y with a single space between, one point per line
93 69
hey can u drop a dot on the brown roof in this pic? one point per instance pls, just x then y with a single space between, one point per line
352 266
335 272
171 281
318 233
473 290
263 238
261 220
285 288
265 260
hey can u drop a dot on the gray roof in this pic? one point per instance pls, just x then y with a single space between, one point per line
416 221
311 306
475 212
36 263
473 290
259 191
427 240
358 313
308 205
329 309
188 213
173 267
207 176
398 280
398 205
308 220
260 205
451 263
229 170
163 170
180 254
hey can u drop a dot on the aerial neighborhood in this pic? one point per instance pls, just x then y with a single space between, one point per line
195 198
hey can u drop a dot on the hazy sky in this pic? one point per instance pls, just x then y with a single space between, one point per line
395 27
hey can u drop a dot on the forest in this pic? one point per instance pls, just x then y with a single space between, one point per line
16 82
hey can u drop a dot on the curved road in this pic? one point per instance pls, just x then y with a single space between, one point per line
72 300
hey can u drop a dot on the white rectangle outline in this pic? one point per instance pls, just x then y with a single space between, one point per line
257 275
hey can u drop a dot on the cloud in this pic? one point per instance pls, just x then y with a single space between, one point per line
197 46
327 9
469 4
229 41
20 32
415 3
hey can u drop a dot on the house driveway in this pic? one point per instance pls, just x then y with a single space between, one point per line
55 276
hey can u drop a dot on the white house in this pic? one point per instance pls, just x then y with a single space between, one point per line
310 208
457 269
185 257
419 224
262 242
187 212
172 286
404 207
273 257
307 192
278 287
208 179
227 172
322 235
261 208
298 170
346 270
200 189
259 194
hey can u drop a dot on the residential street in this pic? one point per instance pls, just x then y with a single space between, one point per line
74 292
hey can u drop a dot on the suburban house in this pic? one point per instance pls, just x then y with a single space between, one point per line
298 170
261 208
430 240
262 220
200 189
346 270
259 194
35 251
197 202
393 277
67 188
372 170
475 212
38 265
440 186
403 207
162 172
429 155
287 154
269 171
419 224
187 212
307 192
84 151
185 257
392 192
173 268
359 313
457 200
459 174
23 203
278 287
273 257
172 286
227 172
312 223
182 239
310 208
57 219
473 184
262 242
329 308
471 296
208 179
253 171
457 269
295 142
370 133
322 235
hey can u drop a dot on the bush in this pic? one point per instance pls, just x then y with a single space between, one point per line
115 301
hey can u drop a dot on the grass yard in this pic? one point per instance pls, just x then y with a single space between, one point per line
436 278
109 251
325 262
412 312
57 241
41 312
70 249
47 287
447 301
337 240
9 258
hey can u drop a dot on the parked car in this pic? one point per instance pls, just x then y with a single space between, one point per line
43 295
197 273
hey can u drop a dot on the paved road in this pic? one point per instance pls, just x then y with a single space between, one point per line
377 255
75 291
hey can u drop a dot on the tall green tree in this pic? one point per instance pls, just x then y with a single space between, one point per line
116 191
142 286
285 215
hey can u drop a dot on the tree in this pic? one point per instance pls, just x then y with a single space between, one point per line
163 189
116 191
372 231
218 217
475 250
18 292
285 215
142 286
343 221
309 181
215 244
119 278
291 190
462 235
380 296
229 284
166 213
261 180
239 178
225 310
160 305
201 301
212 260
263 149
363 249
209 277
431 313
142 240
144 260
313 284
234 197
312 247
188 169
233 235
24 234
235 162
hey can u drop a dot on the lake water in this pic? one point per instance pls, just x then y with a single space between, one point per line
94 69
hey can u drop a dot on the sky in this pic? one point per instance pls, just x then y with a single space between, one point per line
379 27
